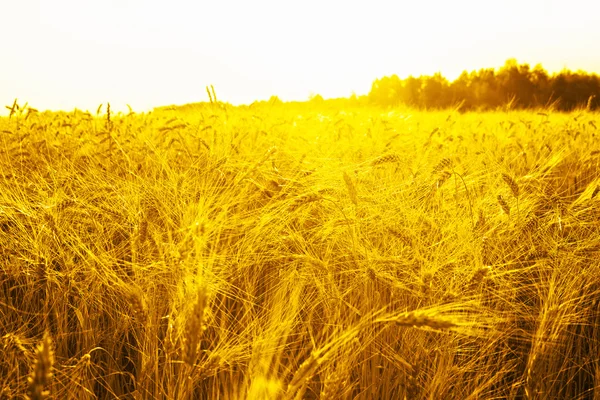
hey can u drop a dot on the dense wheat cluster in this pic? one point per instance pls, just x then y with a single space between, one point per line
283 251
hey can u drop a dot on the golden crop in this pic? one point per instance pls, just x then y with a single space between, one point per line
282 251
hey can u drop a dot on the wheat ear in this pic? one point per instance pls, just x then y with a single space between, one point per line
40 378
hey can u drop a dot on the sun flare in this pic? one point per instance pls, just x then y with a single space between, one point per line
66 53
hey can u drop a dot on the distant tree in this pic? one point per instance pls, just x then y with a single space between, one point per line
461 91
486 88
517 84
386 91
574 89
541 82
435 91
411 92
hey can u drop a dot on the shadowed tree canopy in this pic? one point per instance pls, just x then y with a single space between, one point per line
514 85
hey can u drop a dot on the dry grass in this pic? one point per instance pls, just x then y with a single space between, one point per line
285 252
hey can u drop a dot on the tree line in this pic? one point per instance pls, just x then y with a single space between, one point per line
514 85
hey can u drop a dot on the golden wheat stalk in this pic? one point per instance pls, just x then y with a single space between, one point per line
108 120
512 184
388 158
532 380
305 199
315 360
83 377
503 205
445 163
418 319
334 381
195 327
209 95
481 222
138 305
443 177
41 376
479 275
530 225
351 189
214 94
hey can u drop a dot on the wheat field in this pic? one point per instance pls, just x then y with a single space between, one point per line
297 251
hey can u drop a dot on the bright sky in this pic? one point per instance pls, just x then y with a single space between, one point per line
63 54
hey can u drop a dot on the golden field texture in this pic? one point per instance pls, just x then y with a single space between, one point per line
282 251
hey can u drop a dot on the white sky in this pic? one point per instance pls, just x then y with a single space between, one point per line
62 54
